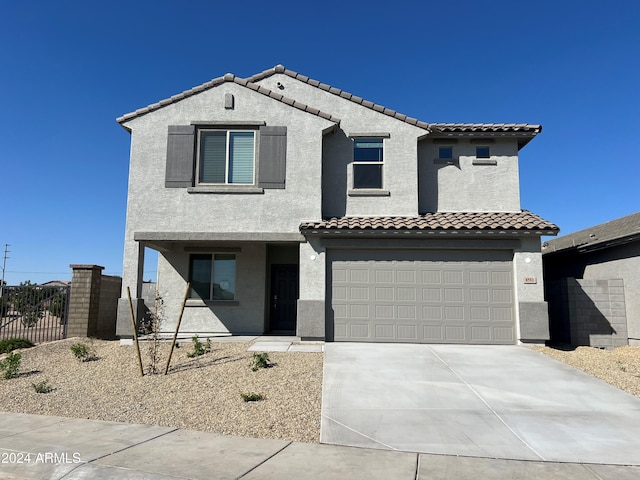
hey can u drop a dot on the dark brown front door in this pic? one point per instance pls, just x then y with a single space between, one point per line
284 296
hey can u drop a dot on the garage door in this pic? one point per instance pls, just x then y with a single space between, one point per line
419 296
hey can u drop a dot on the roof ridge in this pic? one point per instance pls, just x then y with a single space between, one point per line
227 77
340 93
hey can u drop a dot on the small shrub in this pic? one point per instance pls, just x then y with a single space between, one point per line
83 352
251 396
10 365
42 387
9 344
58 305
199 348
260 360
155 320
30 319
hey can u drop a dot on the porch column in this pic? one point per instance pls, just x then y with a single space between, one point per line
133 270
311 303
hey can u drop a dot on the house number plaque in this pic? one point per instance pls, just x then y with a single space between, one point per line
530 280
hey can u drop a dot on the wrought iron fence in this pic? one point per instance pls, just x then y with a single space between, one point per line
36 312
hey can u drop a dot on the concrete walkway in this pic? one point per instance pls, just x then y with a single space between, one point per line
479 401
55 448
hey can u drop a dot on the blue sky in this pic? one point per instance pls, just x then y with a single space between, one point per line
69 68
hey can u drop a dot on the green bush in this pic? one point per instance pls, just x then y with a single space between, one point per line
42 387
260 360
251 397
28 303
10 365
30 319
199 348
58 305
10 344
83 352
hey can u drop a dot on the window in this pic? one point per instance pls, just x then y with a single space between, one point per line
213 276
445 152
483 152
226 157
367 163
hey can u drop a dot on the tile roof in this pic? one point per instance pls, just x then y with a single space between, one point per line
440 127
340 93
485 127
229 77
523 221
452 128
604 235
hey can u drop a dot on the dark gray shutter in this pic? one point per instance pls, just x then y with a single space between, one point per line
180 156
272 157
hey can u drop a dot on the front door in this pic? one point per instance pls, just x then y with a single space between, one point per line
284 297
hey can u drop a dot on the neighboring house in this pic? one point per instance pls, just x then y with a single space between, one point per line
592 282
293 206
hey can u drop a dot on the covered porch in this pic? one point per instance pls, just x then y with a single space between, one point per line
240 284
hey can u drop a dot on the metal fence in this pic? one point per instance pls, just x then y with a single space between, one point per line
38 313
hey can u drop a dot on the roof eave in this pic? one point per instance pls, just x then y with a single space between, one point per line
381 232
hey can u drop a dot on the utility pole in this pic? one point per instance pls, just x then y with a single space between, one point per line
4 266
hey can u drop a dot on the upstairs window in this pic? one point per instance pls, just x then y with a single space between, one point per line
483 152
226 157
445 152
367 163
213 276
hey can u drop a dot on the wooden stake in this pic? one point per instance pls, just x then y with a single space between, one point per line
175 335
135 332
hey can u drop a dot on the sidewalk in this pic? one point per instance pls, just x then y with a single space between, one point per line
41 447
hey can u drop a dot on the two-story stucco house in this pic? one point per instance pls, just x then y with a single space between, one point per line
293 206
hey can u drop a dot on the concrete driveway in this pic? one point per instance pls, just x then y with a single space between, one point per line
483 401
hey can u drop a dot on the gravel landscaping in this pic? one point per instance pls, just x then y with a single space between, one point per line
201 393
204 393
619 367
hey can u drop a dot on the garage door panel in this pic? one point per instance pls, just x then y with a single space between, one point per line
358 293
433 333
454 333
383 294
358 310
432 312
384 312
407 332
406 294
431 277
385 331
453 295
432 295
359 331
422 296
384 276
479 295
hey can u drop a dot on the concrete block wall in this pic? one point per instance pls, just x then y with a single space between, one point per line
92 302
109 293
596 311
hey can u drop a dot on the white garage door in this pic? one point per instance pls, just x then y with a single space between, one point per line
419 296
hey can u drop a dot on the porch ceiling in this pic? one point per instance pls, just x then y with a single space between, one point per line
166 241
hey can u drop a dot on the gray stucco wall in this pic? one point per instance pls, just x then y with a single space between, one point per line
487 187
246 315
153 208
400 153
533 317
